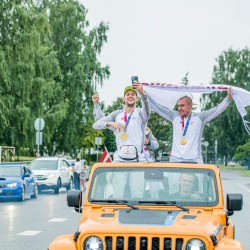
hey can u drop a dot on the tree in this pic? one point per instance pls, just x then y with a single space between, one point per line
77 48
49 68
243 151
232 68
28 70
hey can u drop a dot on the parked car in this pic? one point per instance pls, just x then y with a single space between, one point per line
84 163
52 173
17 181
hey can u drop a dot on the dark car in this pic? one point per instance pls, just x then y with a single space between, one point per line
17 181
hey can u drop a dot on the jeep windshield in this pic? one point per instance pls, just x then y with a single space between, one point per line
159 185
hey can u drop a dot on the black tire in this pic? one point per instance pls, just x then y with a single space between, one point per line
56 190
22 198
35 192
71 184
39 190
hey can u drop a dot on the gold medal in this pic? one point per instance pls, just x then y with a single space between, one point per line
124 136
183 141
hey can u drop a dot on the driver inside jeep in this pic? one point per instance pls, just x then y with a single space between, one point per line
187 187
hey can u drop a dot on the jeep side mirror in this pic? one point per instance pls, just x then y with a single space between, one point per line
74 199
234 203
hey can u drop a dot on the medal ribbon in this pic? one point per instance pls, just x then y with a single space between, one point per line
186 126
127 119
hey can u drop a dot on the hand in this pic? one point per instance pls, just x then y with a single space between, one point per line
138 86
146 141
116 125
95 98
148 131
229 96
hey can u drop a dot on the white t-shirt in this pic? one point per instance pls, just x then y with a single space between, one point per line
78 167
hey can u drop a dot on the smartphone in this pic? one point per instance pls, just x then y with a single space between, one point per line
134 78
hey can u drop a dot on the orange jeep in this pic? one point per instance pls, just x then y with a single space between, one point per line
152 206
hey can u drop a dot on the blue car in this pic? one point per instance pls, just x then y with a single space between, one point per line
17 182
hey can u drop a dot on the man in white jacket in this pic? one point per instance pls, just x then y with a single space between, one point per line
188 127
150 142
129 125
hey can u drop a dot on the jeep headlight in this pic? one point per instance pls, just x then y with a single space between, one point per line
11 185
93 243
195 244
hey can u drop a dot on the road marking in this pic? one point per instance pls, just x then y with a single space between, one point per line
57 220
29 233
248 190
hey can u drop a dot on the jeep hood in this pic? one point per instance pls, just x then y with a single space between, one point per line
159 221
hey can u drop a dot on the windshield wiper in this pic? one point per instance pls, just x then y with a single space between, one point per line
123 202
166 203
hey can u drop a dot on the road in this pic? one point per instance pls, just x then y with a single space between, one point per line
33 224
235 183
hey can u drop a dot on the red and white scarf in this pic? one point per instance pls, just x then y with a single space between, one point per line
168 94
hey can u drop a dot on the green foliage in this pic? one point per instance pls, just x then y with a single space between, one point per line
162 130
77 51
243 151
232 68
49 68
28 70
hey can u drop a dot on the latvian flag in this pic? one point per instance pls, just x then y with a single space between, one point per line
105 156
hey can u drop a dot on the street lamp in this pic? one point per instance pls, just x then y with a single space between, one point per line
215 150
206 145
98 141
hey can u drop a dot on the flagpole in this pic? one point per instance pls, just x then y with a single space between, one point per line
97 154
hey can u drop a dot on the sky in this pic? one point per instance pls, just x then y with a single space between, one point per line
162 40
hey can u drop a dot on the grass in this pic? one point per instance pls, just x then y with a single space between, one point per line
243 170
25 158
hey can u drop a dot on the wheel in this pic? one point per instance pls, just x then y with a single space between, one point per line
39 190
56 190
22 198
71 184
35 192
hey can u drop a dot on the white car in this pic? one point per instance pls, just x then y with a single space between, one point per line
52 173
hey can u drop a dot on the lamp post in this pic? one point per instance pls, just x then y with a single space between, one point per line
215 151
98 141
206 145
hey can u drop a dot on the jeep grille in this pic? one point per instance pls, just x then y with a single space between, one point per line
143 243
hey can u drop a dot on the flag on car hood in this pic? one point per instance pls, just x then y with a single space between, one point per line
105 156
